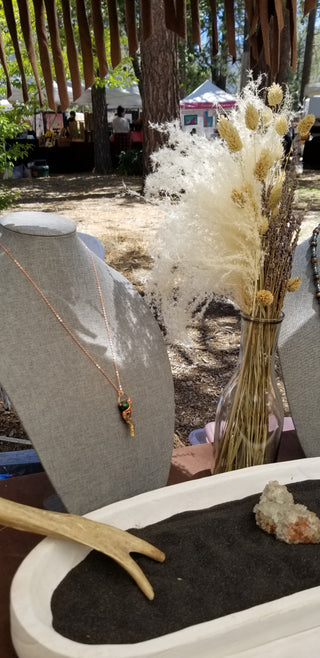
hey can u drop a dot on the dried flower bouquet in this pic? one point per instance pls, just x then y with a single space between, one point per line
230 230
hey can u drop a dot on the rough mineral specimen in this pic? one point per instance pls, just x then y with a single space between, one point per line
278 514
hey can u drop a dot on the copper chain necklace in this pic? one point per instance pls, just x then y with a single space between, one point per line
124 402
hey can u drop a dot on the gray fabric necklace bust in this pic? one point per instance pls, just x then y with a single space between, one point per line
299 351
124 402
65 405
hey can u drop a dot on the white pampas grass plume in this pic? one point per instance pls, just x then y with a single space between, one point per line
204 251
219 198
207 244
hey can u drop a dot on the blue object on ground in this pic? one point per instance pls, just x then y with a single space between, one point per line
20 462
197 436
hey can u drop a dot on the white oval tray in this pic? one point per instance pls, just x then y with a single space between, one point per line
279 627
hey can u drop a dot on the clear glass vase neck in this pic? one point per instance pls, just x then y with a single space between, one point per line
249 416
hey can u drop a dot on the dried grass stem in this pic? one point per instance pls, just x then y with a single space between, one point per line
246 438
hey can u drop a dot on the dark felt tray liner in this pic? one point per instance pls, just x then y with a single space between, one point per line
217 562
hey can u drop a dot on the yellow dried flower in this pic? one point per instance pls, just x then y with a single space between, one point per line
266 116
251 117
230 134
275 95
304 126
264 297
263 164
222 126
238 197
276 191
234 142
246 196
281 125
294 284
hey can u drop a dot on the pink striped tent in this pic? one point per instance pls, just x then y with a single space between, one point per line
207 97
199 109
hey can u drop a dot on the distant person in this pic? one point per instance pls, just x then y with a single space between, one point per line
119 123
72 127
138 123
72 117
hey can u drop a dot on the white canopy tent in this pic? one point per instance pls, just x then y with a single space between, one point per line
17 96
128 97
198 109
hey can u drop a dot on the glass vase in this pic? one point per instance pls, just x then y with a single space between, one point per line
249 418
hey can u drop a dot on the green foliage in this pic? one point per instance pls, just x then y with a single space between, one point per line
11 124
122 75
130 163
197 65
7 197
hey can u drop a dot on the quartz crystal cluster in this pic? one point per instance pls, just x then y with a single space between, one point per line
278 514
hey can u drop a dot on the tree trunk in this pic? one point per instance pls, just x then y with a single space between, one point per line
160 88
182 69
137 70
284 56
219 62
102 155
245 57
307 61
285 51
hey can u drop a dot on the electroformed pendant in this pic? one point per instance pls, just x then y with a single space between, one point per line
125 406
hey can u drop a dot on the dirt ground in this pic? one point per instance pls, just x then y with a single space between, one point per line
113 210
